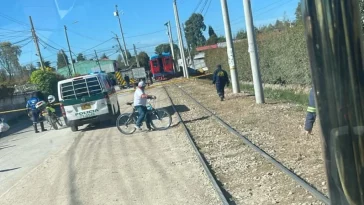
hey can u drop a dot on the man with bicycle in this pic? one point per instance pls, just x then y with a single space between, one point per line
140 104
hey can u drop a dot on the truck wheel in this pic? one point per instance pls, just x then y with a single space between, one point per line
74 128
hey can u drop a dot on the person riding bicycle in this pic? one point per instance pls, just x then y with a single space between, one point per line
140 104
34 113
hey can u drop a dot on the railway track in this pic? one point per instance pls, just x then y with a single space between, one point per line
223 149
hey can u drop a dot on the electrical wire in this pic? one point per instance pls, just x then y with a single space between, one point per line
204 6
198 5
208 7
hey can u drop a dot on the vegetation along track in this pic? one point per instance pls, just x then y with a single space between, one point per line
244 173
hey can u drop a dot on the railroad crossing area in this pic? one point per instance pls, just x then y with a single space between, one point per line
214 152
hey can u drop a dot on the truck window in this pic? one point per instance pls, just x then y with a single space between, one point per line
80 87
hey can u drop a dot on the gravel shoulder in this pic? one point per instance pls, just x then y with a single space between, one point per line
102 166
276 127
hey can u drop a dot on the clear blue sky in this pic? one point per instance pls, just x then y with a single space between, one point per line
91 22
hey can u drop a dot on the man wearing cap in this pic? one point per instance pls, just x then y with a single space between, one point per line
140 104
220 79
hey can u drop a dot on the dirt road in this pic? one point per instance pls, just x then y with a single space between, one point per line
98 165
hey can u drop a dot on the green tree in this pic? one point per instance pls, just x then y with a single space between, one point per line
241 34
80 57
9 58
166 48
46 81
221 39
298 13
62 60
211 31
194 27
104 56
143 58
212 40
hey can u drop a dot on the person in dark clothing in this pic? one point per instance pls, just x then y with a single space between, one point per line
34 113
311 112
220 79
127 80
150 76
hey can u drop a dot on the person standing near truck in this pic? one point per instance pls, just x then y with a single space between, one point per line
127 80
34 113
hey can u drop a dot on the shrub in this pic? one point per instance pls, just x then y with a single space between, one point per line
46 81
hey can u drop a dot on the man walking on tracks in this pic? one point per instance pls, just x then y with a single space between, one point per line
34 113
220 79
140 104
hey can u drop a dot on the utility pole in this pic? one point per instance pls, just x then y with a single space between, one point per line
230 48
121 50
36 42
188 47
116 13
65 60
257 80
169 32
180 40
97 60
136 56
69 48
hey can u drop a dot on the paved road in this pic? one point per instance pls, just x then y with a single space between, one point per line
98 165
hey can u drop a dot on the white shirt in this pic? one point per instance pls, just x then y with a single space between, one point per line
138 100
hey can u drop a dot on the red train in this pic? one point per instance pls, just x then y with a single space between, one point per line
161 66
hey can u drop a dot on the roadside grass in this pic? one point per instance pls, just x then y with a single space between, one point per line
286 95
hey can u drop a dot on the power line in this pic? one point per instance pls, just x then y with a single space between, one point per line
97 45
208 7
198 5
204 6
14 20
85 36
258 14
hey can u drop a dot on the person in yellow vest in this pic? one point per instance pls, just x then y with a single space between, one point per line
311 112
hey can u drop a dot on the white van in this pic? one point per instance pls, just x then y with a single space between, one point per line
87 99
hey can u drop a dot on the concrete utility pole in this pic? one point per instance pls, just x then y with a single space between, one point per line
180 40
230 48
65 60
121 50
69 48
188 48
257 80
169 32
116 13
136 56
97 60
36 42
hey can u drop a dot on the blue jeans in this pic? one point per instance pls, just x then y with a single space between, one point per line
142 114
310 120
35 116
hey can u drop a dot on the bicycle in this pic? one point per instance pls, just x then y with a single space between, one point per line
160 119
49 113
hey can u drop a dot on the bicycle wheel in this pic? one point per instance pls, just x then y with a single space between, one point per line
160 119
52 121
126 124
